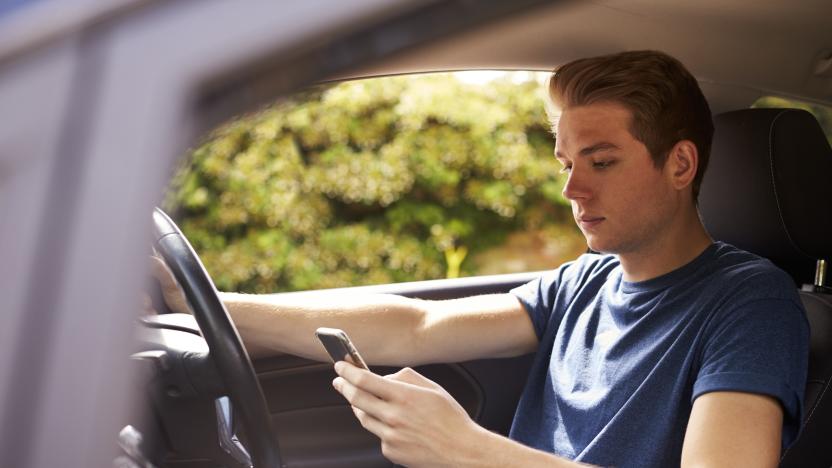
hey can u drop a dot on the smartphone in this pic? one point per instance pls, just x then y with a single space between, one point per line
339 346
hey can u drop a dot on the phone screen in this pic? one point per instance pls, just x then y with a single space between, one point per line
339 346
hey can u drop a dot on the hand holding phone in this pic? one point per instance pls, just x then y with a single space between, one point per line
339 346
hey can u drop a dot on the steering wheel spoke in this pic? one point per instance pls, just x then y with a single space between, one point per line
226 429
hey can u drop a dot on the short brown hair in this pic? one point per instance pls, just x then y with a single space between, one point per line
663 97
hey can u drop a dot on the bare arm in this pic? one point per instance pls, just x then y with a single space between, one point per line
387 329
733 429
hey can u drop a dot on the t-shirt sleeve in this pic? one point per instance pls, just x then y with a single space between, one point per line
538 297
761 347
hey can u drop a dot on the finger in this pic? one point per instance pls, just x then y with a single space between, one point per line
161 272
373 383
361 399
171 292
374 425
410 376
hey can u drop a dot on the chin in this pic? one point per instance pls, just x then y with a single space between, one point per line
599 245
595 245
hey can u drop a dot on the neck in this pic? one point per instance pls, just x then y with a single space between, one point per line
681 244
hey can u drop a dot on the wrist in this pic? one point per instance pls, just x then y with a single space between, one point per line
486 449
480 448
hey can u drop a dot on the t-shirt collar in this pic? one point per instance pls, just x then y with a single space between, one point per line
672 277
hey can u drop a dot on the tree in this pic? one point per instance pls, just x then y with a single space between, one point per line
373 181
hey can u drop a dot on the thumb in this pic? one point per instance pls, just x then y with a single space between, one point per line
408 375
162 273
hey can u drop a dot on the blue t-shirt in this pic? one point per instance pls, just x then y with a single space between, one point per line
620 363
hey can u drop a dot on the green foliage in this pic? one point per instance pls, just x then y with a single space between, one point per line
372 181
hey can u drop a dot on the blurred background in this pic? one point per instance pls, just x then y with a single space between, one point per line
384 180
381 180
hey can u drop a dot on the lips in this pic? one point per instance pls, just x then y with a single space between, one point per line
587 221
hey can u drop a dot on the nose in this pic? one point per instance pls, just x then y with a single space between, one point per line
576 186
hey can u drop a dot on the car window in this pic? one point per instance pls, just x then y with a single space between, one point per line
821 112
381 180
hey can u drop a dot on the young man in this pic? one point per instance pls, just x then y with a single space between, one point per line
665 349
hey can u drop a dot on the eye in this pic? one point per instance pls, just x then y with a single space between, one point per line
602 164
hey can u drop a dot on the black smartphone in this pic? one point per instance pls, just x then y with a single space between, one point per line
339 346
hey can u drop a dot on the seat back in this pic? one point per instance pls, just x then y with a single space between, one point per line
767 190
812 447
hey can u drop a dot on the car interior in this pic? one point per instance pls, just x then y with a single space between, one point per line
130 85
760 193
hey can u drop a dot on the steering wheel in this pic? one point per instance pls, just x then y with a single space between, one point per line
224 343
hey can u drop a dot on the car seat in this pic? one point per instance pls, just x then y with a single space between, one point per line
767 189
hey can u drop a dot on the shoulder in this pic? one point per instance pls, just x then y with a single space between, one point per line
548 295
749 277
752 297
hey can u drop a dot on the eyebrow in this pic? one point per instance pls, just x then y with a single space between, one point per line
590 150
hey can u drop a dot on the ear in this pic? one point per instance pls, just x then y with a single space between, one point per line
681 164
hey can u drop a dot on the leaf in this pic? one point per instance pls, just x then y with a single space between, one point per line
372 181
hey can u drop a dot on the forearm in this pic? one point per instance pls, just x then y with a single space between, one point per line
476 327
489 450
381 326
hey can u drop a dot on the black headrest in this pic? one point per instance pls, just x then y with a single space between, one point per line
768 187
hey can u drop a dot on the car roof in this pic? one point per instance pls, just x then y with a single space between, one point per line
738 49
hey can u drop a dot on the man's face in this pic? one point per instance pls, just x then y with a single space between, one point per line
622 203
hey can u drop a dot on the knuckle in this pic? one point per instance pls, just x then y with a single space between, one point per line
397 398
394 439
360 380
390 437
387 450
394 419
